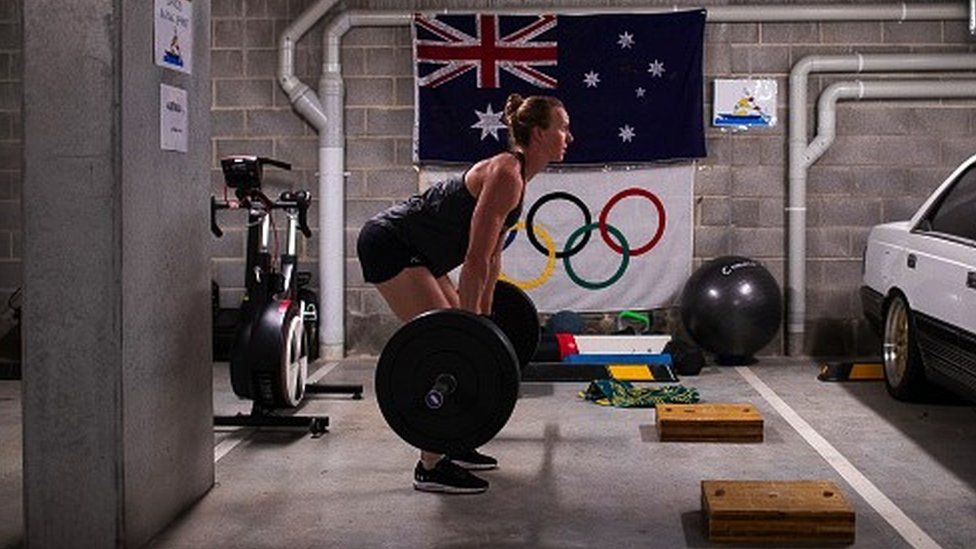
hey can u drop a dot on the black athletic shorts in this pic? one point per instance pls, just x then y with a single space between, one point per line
383 254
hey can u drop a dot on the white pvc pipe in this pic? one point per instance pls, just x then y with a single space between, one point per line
800 157
886 89
301 96
306 102
332 182
332 149
896 11
972 17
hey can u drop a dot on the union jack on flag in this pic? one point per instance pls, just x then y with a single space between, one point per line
632 84
456 52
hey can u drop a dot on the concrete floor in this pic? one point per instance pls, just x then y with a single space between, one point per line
572 474
11 478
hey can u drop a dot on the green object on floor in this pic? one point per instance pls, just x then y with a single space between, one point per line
611 392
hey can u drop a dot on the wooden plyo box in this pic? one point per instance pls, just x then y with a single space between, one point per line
786 512
709 423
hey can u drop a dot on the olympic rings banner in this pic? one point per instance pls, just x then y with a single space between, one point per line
602 240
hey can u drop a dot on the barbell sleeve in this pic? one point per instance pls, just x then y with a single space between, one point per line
444 385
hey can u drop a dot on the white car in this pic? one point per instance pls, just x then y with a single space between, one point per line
919 291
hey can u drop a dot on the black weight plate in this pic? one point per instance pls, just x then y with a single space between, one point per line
464 345
515 313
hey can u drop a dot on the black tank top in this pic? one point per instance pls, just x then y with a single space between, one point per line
437 223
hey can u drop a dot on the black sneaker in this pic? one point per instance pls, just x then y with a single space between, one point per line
447 478
474 460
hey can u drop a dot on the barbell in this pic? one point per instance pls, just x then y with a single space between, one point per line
448 380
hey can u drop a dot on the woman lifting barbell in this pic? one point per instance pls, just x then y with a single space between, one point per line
408 250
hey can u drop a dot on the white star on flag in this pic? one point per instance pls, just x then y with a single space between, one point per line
626 133
489 122
626 40
591 79
640 92
656 68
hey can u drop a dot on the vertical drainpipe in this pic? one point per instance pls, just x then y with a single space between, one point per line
796 209
306 102
801 157
972 17
332 165
332 184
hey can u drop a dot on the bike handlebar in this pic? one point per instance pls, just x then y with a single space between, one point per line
272 162
298 201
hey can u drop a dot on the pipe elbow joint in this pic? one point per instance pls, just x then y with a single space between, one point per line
291 85
309 107
803 67
295 88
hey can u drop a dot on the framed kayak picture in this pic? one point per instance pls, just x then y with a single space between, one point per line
744 103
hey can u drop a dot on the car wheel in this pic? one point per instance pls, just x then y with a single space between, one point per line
902 361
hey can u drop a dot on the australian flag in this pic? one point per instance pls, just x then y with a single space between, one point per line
632 84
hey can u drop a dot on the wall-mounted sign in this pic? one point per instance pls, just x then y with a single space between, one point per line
744 103
174 34
172 118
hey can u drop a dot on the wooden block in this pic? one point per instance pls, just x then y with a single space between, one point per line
709 423
784 512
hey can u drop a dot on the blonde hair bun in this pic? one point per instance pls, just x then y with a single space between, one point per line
512 105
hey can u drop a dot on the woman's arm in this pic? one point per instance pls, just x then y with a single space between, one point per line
493 271
499 195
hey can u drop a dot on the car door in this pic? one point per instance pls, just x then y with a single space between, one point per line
941 252
944 242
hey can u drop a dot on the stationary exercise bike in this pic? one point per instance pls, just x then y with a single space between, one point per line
270 353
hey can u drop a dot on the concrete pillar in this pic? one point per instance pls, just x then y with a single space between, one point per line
117 380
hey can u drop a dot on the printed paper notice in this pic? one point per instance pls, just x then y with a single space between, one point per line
172 118
174 35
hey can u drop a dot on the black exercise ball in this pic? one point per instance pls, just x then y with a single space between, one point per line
731 306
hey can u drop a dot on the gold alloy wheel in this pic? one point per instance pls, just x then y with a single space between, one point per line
895 349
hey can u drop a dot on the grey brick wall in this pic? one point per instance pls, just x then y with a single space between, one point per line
11 152
887 157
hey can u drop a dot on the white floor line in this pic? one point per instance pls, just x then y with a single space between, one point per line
233 439
240 435
320 373
915 536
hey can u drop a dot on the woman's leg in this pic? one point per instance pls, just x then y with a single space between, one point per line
450 291
411 292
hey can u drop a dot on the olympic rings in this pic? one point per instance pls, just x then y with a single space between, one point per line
586 229
536 231
550 259
633 191
587 219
